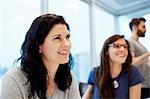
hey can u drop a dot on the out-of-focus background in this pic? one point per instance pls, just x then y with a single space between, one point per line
91 22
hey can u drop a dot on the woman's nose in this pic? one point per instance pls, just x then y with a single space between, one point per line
122 48
66 42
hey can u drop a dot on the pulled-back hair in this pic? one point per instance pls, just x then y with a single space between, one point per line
31 60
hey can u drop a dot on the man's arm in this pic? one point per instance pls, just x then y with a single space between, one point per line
140 59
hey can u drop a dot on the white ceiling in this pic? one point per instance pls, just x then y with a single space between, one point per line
130 8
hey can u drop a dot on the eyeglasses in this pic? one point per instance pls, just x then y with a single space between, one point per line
118 46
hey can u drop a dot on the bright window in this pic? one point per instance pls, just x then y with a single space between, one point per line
16 17
104 27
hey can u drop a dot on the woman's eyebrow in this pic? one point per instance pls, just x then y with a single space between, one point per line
56 35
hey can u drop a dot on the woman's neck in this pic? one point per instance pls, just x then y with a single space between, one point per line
52 72
51 85
51 69
115 70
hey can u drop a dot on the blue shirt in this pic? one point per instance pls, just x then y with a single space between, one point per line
123 80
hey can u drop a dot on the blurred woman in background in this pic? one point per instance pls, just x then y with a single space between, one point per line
115 77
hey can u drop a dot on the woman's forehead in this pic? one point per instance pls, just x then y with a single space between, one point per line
121 40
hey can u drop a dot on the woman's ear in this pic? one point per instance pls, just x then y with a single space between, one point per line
40 49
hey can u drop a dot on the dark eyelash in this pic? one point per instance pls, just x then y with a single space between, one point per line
57 38
68 36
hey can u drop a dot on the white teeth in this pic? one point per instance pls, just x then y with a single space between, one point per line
121 55
62 52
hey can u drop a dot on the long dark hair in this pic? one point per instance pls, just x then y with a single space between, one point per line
31 60
103 71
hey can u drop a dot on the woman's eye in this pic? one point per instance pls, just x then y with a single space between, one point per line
56 38
116 46
68 36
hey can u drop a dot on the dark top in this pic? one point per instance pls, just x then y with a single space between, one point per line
123 80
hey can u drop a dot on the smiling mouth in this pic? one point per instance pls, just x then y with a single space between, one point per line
121 55
64 54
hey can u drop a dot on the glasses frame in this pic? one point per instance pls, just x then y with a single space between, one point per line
118 46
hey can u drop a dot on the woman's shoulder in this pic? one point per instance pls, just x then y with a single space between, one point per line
134 69
94 69
135 76
14 82
15 74
15 71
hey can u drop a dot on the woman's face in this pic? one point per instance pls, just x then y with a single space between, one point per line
56 46
118 51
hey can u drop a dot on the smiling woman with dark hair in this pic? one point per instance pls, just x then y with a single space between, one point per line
115 77
46 63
